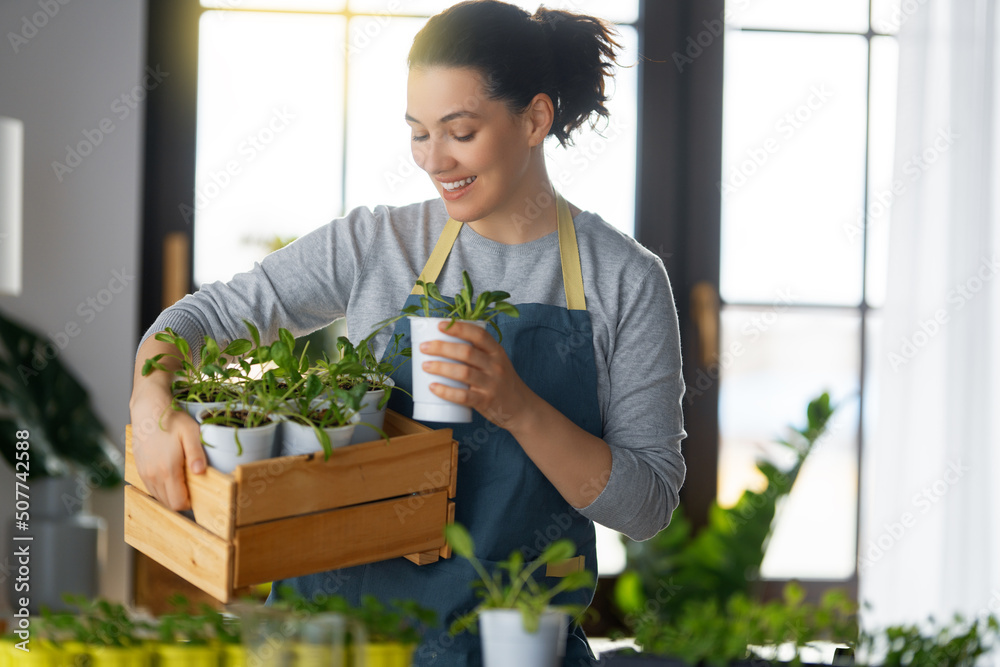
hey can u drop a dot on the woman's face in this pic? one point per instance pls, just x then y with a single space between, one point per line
475 151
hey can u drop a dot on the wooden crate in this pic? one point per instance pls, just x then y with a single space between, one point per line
296 515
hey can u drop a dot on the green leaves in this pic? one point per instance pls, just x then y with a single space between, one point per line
711 632
521 591
459 540
402 621
96 623
464 306
723 559
41 395
958 643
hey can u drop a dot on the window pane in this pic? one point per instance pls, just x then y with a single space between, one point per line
873 341
794 120
883 187
888 16
270 115
774 361
841 15
610 551
625 11
280 5
597 173
381 170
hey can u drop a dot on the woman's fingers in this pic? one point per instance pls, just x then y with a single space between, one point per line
453 394
194 452
164 440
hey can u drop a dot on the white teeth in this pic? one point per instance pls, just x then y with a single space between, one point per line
458 184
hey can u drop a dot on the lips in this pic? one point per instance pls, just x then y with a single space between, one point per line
453 190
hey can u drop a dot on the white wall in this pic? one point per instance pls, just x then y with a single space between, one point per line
62 83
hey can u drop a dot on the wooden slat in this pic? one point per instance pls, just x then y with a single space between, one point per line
213 493
179 544
424 557
295 485
453 482
339 538
397 424
446 548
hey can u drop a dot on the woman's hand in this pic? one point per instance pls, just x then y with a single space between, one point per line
495 389
163 439
577 463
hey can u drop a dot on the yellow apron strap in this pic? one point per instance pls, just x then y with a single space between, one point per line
569 254
432 269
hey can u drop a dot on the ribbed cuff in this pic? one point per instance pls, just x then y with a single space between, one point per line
182 324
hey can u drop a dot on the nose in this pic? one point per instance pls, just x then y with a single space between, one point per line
433 156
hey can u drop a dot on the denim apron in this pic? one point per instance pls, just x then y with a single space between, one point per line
502 498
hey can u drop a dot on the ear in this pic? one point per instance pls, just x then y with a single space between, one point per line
538 118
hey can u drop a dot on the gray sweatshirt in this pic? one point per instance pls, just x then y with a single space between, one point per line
363 266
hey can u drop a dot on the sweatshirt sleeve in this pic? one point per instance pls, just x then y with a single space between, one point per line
301 287
644 422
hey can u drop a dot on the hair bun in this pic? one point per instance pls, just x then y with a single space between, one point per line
567 56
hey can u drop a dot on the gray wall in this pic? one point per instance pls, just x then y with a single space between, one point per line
80 231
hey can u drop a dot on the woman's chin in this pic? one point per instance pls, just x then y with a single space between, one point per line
463 211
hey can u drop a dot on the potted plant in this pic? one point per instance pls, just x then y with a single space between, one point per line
958 643
54 441
740 631
377 633
40 652
112 637
185 637
320 640
424 320
321 629
240 432
227 630
715 562
517 621
63 640
211 382
747 632
315 419
393 631
377 374
313 415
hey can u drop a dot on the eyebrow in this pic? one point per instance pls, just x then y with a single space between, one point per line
447 119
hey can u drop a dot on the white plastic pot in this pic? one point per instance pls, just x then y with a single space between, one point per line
371 414
505 641
195 408
427 406
258 443
301 439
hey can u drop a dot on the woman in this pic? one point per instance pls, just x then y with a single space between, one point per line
577 414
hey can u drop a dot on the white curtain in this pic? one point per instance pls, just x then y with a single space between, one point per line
930 533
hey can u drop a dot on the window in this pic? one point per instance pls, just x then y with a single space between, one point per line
300 119
808 126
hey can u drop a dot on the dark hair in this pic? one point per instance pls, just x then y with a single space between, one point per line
565 55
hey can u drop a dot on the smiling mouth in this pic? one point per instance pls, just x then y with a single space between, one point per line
456 185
